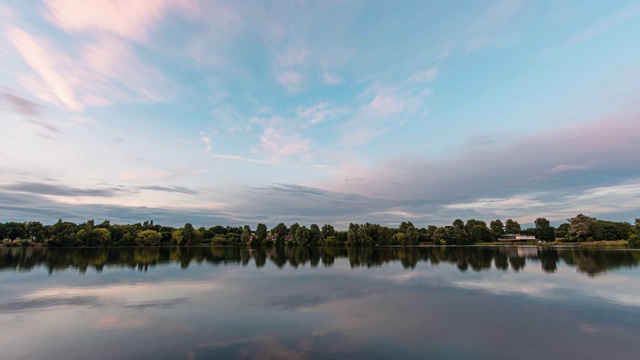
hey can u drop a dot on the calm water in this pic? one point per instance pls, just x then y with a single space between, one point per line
394 303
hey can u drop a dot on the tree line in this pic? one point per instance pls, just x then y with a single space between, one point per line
580 228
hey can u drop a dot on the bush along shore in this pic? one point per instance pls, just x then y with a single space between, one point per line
581 229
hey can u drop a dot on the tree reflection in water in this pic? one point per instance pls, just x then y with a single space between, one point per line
477 258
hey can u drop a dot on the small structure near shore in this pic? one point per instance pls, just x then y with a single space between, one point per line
517 237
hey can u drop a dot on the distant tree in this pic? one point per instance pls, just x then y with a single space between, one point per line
352 237
580 227
512 227
315 235
328 230
189 235
497 228
302 236
280 233
177 237
479 233
544 230
362 238
458 224
98 237
634 240
411 236
35 231
404 226
293 229
147 237
261 232
562 231
245 238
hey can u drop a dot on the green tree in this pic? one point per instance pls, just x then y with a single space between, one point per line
245 238
580 227
315 235
544 230
497 228
363 238
328 230
189 235
411 236
261 233
512 227
458 224
35 231
634 240
352 237
147 237
280 233
302 236
177 237
404 226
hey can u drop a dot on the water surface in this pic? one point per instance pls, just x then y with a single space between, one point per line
386 303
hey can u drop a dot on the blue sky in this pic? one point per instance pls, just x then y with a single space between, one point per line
220 112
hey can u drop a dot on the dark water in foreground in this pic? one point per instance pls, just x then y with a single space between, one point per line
393 303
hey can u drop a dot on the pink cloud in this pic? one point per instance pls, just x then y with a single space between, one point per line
386 105
564 168
45 62
425 75
317 113
281 143
293 58
332 79
98 73
291 80
131 19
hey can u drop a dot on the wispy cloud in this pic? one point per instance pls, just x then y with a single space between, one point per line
45 62
241 158
317 113
127 19
60 190
20 105
293 81
331 78
568 167
279 142
599 27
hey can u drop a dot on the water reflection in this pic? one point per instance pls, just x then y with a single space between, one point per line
307 303
588 261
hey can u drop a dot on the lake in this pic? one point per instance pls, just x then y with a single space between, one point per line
502 302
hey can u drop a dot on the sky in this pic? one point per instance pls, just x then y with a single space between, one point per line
232 113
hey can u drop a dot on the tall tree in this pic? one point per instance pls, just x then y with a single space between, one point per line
458 224
352 237
363 238
580 227
302 235
512 227
245 238
314 235
189 235
544 230
261 233
328 230
411 236
280 233
497 228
